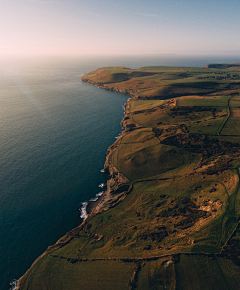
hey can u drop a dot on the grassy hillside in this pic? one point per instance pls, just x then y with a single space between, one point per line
170 216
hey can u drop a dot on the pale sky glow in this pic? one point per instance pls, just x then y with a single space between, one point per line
75 27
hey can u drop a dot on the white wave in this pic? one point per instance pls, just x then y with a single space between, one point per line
97 196
102 170
13 285
102 185
100 194
83 210
94 199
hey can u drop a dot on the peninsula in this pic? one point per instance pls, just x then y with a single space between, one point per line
170 216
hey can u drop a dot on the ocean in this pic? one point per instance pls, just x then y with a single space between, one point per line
55 131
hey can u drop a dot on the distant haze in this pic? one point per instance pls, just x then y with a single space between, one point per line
80 27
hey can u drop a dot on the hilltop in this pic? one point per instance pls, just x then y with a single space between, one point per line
229 66
170 216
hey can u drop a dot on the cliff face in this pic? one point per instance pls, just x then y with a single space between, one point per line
114 174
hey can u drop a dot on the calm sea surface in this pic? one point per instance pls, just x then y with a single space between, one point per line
54 133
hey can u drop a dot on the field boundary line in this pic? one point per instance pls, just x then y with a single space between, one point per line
228 116
174 255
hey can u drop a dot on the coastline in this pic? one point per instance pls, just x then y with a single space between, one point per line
131 93
94 206
171 208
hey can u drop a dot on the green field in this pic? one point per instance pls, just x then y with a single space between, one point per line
139 158
195 272
232 127
190 272
218 101
185 273
81 275
157 275
145 104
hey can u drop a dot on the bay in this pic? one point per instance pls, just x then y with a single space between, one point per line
54 133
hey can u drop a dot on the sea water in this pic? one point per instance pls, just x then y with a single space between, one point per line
54 133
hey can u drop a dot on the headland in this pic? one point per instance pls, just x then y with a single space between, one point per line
169 218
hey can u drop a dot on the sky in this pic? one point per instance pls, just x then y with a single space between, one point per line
119 27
